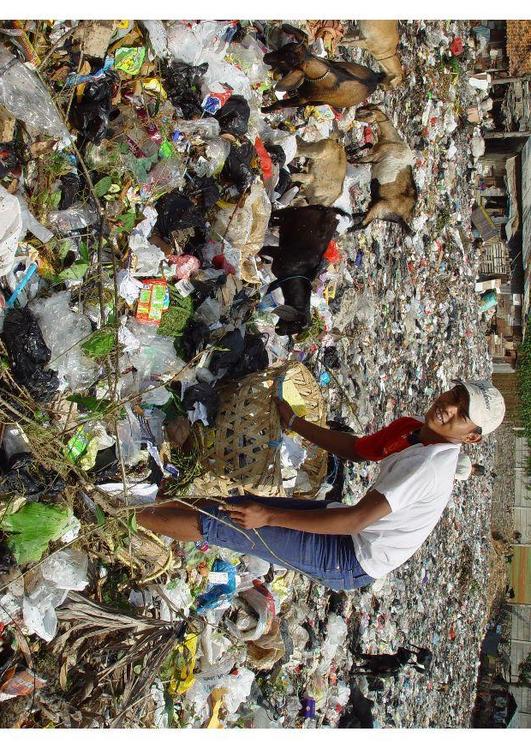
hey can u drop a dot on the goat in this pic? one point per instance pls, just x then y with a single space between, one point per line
304 235
380 39
318 81
393 191
323 183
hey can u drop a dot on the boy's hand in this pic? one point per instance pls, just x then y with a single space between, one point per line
285 411
249 515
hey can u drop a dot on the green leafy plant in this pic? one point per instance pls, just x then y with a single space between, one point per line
99 344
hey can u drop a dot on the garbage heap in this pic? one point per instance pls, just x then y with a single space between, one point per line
138 177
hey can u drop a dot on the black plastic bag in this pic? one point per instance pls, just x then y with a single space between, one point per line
195 337
237 167
28 354
70 188
92 114
181 85
330 358
204 191
233 117
25 477
242 356
7 561
177 212
232 343
204 394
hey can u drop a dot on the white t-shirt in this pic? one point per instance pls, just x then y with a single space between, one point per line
417 483
464 468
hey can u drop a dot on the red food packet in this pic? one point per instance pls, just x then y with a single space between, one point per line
332 253
266 164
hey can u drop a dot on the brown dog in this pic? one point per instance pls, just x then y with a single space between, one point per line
380 39
393 190
318 81
323 183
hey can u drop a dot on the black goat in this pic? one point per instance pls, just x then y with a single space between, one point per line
304 235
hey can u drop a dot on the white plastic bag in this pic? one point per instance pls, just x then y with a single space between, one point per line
78 216
64 331
196 43
11 229
66 569
24 96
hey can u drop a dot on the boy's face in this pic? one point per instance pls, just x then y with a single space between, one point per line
448 417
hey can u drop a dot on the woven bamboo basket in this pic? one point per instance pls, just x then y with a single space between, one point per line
243 454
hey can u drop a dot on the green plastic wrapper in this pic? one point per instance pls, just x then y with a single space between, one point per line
32 528
130 59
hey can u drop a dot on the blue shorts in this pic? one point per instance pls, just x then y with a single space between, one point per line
328 558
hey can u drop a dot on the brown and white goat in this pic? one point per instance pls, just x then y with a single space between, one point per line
393 190
322 184
380 39
317 80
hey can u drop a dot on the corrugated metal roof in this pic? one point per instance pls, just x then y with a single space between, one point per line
521 576
519 47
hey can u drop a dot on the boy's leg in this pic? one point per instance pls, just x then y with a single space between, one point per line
170 520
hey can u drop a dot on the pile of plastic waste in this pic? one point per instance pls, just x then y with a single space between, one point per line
138 176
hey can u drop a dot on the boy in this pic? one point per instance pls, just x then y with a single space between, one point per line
348 547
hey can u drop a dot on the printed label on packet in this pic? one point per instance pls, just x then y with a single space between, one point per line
218 577
184 287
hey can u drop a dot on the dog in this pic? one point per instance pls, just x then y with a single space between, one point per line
384 665
323 183
318 81
390 665
304 235
380 39
393 190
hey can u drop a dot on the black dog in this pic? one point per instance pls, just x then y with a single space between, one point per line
304 235
389 665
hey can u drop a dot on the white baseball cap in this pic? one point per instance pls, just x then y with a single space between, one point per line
487 407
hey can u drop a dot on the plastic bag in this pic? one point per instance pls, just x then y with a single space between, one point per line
246 230
261 601
248 55
29 354
199 42
237 168
11 229
32 528
66 569
336 632
92 114
152 357
38 609
180 82
158 38
203 130
24 96
130 437
25 477
64 331
218 594
177 212
216 153
167 175
233 117
30 223
78 216
207 398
